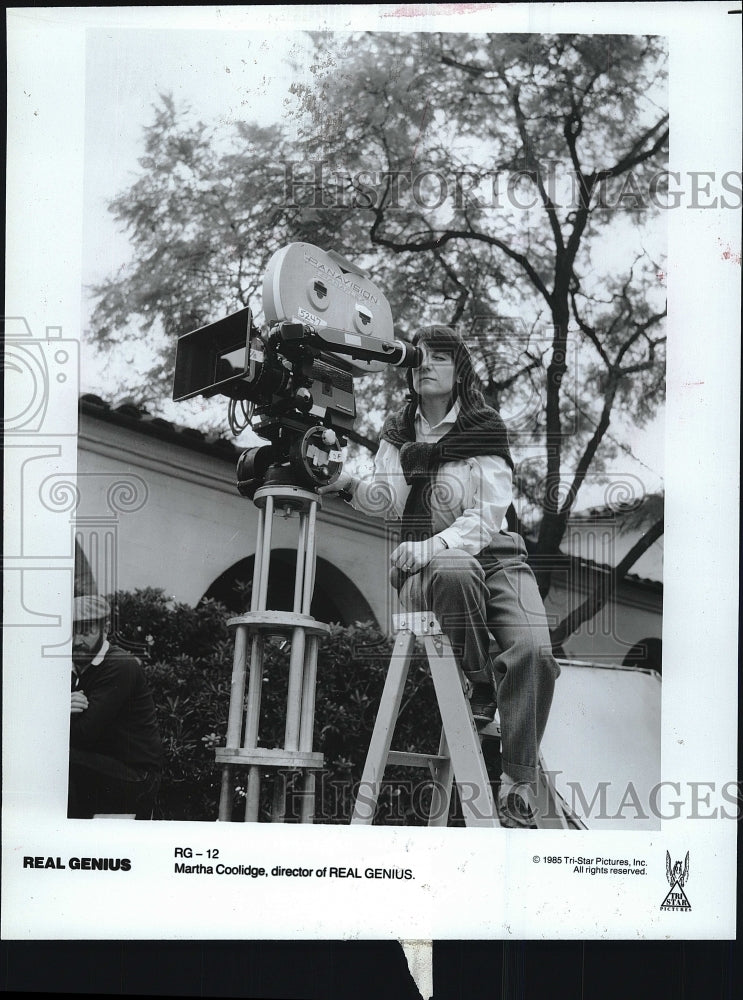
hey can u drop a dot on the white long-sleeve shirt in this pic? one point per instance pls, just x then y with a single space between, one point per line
469 499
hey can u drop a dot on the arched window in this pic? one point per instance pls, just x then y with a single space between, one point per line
336 598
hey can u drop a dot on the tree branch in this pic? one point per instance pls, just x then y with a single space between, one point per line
547 202
465 67
601 594
589 331
463 290
435 243
640 331
634 156
507 383
365 442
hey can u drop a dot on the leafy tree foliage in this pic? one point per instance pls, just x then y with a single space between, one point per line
203 220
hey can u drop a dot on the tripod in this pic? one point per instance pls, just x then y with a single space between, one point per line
252 630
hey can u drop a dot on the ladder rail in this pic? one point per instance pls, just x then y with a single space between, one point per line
459 759
384 726
465 752
443 781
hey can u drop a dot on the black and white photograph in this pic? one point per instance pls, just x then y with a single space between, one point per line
371 472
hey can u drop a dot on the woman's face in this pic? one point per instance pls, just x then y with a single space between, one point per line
435 377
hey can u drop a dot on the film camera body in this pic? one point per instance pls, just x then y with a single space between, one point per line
326 324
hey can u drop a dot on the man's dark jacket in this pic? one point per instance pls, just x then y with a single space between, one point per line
120 719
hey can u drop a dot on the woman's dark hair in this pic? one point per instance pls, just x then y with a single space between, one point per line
467 384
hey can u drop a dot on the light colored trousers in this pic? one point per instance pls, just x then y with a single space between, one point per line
495 594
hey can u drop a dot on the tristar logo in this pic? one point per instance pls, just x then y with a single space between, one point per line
677 876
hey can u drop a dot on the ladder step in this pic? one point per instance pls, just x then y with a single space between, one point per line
415 759
269 758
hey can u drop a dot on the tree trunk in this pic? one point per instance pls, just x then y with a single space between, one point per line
552 528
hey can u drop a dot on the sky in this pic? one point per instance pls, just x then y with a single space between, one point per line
222 76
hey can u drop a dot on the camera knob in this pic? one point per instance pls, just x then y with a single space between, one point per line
303 400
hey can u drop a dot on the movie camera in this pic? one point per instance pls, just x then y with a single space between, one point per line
326 324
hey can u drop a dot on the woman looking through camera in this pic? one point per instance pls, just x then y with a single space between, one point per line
444 469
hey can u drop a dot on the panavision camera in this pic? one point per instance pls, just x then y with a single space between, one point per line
326 324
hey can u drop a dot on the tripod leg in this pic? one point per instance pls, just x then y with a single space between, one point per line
237 688
255 690
278 813
252 717
300 702
470 774
234 721
258 561
379 748
260 574
225 795
253 794
307 720
294 693
307 809
309 560
307 726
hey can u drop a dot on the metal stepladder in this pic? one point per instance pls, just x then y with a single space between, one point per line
252 630
459 758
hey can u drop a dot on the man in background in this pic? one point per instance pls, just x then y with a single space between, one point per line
115 746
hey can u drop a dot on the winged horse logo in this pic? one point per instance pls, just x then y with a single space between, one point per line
675 873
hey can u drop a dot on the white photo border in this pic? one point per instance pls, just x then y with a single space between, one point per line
465 885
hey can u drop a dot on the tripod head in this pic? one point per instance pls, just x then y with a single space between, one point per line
327 323
308 456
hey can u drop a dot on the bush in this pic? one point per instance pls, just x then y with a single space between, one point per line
190 675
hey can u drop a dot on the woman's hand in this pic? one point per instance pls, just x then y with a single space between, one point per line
345 481
412 557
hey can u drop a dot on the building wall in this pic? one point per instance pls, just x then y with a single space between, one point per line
158 514
634 615
184 524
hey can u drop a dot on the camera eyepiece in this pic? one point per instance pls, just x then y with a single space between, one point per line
411 356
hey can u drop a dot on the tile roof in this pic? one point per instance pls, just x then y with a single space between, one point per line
137 418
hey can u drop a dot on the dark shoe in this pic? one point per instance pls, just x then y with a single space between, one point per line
482 704
515 813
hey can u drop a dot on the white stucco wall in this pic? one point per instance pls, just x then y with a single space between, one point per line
190 525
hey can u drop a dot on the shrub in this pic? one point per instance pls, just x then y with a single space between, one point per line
190 675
